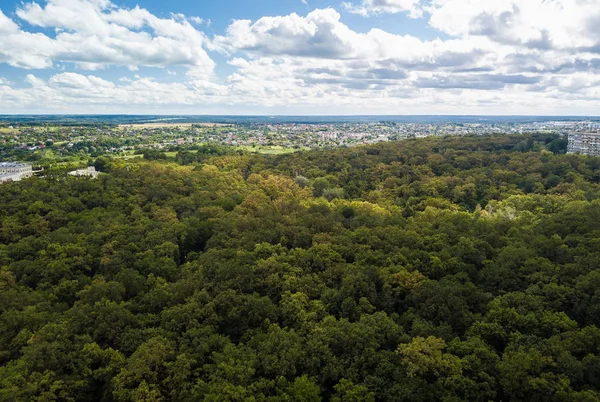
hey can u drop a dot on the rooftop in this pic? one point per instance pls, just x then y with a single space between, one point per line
12 164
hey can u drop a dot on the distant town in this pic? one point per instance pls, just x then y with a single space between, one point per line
48 144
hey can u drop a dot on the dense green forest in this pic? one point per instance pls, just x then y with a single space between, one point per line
441 269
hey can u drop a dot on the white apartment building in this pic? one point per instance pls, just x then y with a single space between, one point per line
584 143
13 171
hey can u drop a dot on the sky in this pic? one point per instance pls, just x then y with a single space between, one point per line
300 57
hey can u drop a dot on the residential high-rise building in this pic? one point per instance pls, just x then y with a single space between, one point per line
584 143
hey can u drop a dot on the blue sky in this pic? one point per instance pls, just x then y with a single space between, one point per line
295 57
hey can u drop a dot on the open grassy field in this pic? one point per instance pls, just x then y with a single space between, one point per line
129 156
268 150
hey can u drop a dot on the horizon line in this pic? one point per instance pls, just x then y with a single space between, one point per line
298 115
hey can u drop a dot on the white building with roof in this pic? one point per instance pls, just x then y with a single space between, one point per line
14 171
89 172
584 143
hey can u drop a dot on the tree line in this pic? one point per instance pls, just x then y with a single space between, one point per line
451 269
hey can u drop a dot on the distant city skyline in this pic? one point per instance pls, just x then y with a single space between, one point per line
115 119
301 57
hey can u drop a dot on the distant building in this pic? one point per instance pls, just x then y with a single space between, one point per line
584 143
13 171
90 172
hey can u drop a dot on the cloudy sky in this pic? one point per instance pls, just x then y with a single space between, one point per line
300 56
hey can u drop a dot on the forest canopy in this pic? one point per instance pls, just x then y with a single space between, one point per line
451 269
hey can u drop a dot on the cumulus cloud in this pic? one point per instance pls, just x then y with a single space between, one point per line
374 7
496 46
536 24
265 86
69 89
319 50
196 20
319 34
322 35
514 56
7 26
558 24
250 90
95 34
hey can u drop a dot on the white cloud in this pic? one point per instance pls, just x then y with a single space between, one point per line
534 24
514 56
268 86
321 34
318 34
7 26
374 7
316 58
250 90
542 24
95 34
196 20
